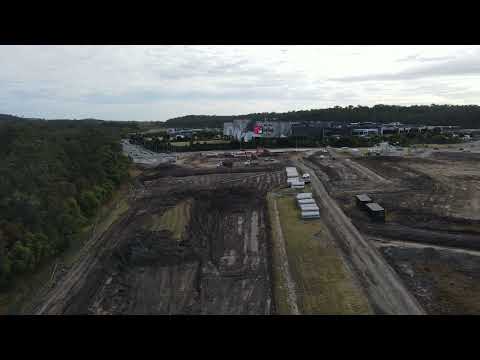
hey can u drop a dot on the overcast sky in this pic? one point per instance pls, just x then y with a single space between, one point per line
161 82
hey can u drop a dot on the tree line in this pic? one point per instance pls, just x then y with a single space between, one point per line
54 176
467 116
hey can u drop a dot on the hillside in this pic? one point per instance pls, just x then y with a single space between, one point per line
467 116
54 175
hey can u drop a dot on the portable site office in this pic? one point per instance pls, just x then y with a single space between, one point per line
291 172
291 180
304 196
376 212
310 214
309 207
292 175
305 201
363 200
297 184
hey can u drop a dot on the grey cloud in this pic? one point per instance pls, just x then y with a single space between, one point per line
417 57
156 82
409 58
459 67
234 91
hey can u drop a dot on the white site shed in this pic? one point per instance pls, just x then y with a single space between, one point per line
309 207
292 176
301 202
297 184
310 214
291 172
304 196
293 179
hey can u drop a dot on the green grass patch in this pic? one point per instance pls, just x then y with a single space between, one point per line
174 219
214 142
323 283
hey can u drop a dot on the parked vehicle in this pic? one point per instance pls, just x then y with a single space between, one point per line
306 178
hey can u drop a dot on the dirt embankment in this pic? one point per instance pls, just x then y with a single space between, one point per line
179 171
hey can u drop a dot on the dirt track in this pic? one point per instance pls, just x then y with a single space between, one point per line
385 289
221 263
432 201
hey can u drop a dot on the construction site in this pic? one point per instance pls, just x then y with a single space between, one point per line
290 232
430 234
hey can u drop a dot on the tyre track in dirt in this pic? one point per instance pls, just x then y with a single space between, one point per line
97 284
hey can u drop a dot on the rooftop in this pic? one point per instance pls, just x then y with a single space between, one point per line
375 207
304 195
363 197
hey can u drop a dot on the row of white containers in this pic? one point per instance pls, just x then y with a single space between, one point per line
293 179
308 206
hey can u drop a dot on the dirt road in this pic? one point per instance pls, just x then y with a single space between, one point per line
385 289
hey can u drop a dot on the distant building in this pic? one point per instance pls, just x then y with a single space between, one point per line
246 129
308 130
272 129
228 129
365 132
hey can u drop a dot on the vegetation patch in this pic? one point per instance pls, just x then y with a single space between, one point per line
324 284
18 296
174 219
54 178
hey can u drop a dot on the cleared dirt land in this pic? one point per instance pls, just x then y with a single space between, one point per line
444 281
432 207
194 238
191 242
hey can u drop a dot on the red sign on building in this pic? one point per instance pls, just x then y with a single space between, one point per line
257 130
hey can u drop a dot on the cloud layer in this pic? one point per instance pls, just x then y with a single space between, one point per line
160 82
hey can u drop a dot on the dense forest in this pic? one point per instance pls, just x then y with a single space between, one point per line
467 116
54 175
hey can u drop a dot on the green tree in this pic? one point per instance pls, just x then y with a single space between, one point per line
89 203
